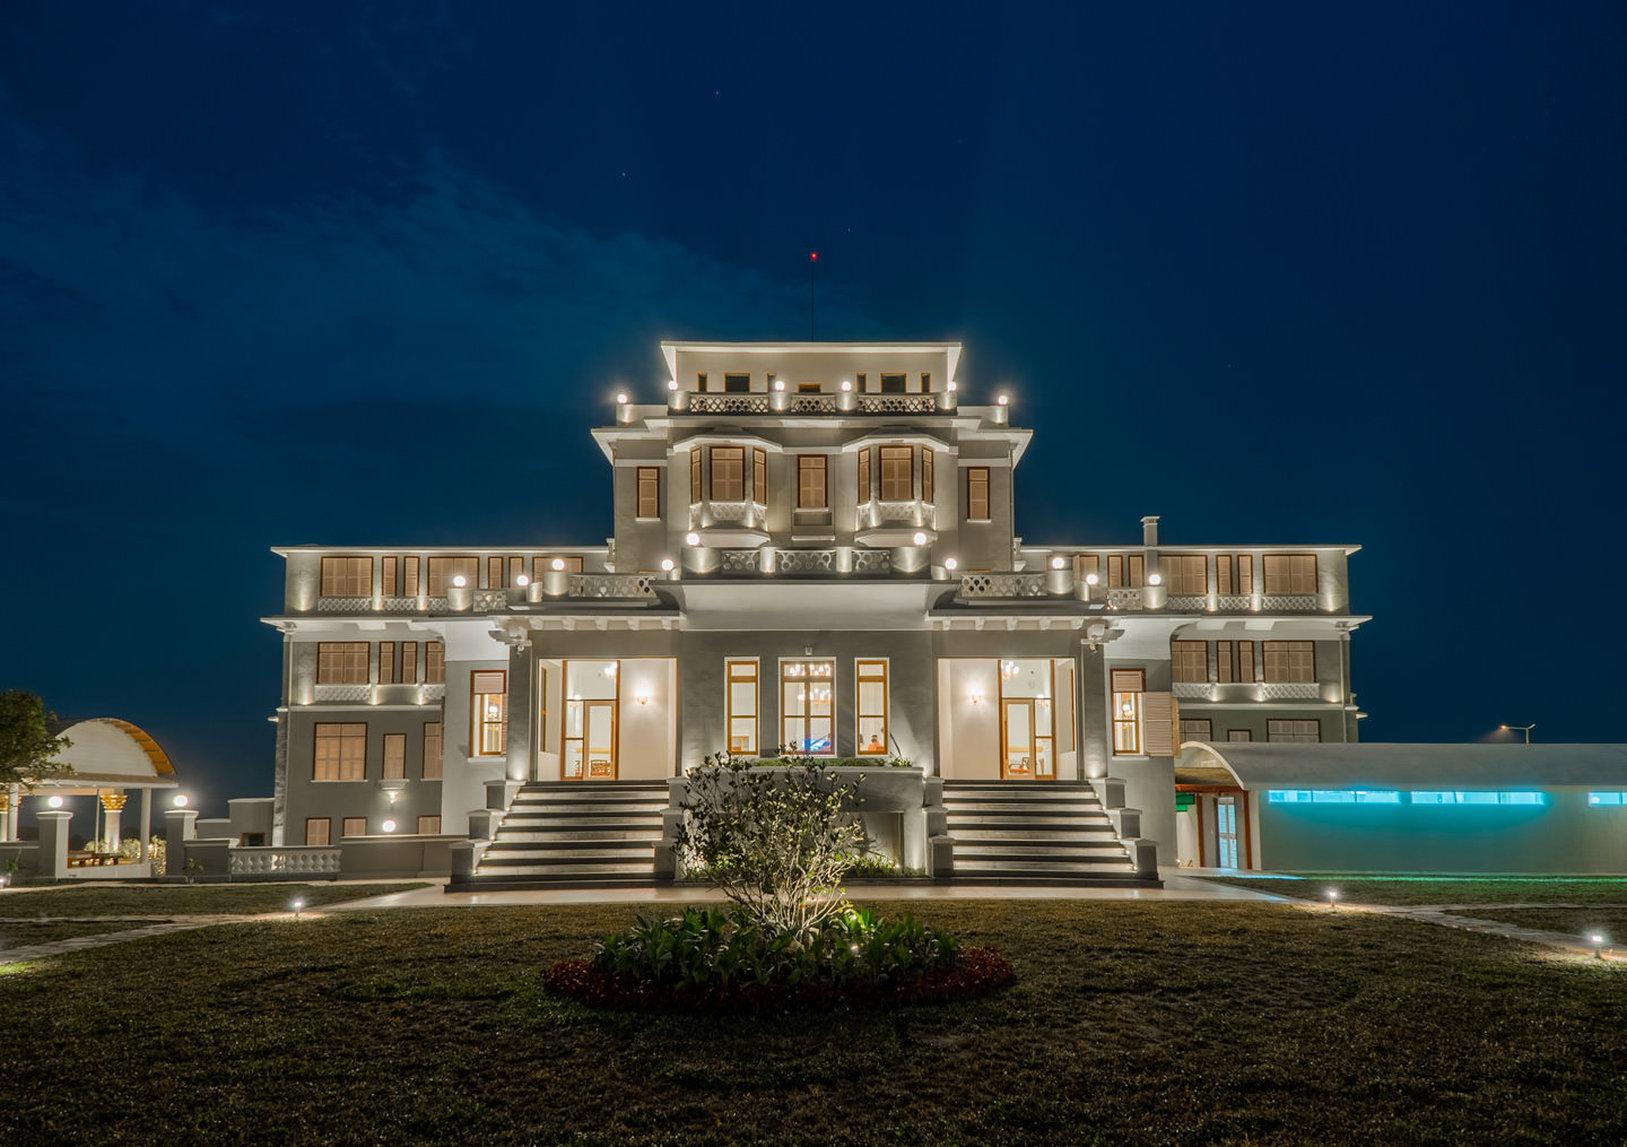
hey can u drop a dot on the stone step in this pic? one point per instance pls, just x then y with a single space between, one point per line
1044 790
541 820
606 835
1098 822
646 806
498 853
1075 848
1024 808
1025 832
1048 866
542 869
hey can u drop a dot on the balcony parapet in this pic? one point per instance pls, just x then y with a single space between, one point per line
836 561
611 587
780 402
982 586
1243 692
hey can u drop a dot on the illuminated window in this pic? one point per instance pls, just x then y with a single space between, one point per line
429 826
977 493
347 577
740 687
1290 661
1197 729
808 707
696 494
926 474
592 691
1128 686
389 577
395 756
488 711
649 492
897 473
1293 732
432 751
388 671
728 474
341 752
341 663
759 476
1239 735
811 482
443 568
1185 575
1607 800
864 475
409 663
1126 570
1333 796
1460 797
353 826
1189 661
318 831
1290 573
871 677
434 663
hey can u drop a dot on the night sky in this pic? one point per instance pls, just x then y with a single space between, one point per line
286 273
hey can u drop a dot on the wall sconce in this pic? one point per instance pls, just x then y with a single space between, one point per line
1058 562
1155 578
951 564
952 387
692 539
460 581
666 565
557 564
846 386
1003 400
644 697
521 580
918 538
56 802
179 801
1092 579
392 794
621 399
779 384
672 384
977 696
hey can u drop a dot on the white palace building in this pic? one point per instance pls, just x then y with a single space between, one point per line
814 549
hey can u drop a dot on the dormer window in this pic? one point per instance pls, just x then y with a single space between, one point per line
893 383
737 384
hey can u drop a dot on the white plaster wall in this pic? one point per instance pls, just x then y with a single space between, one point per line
647 733
969 734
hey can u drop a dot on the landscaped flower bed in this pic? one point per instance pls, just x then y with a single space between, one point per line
709 959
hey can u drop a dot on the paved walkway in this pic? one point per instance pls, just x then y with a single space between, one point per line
156 926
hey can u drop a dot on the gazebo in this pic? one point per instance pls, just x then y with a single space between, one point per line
109 758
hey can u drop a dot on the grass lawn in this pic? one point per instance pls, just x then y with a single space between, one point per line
1180 1022
24 935
181 899
1611 921
1410 890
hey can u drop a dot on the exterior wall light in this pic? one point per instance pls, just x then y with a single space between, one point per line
644 698
557 564
54 801
1155 578
621 399
976 695
460 581
951 564
951 388
692 538
388 826
179 800
666 565
1058 562
672 384
919 538
846 386
521 580
1092 578
779 384
1003 400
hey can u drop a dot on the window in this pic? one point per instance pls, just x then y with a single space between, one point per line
544 563
809 388
516 567
488 712
409 577
811 482
494 572
807 707
1245 662
861 382
1239 736
1290 661
341 751
977 493
388 672
926 383
728 474
1086 564
1333 796
892 384
318 831
1606 800
347 577
395 756
1189 660
1290 573
897 473
759 476
1128 686
1481 798
740 696
700 383
443 568
1296 732
1126 570
1197 729
864 474
432 751
737 384
353 826
696 494
926 473
871 678
1185 575
1225 662
434 663
389 577
429 826
649 492
409 663
341 662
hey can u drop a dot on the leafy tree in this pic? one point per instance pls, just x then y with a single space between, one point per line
775 841
28 749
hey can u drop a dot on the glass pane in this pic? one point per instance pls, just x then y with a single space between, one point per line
819 735
573 719
599 727
792 704
573 760
872 735
871 696
1042 717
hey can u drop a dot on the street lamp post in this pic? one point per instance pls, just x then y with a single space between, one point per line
1526 729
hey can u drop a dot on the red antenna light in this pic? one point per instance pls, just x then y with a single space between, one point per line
813 256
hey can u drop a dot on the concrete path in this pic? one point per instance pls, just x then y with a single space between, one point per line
158 926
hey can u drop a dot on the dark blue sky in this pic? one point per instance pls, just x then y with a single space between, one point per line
360 274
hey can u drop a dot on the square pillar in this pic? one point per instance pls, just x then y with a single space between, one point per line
180 826
53 853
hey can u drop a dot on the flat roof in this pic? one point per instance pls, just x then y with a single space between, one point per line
1470 765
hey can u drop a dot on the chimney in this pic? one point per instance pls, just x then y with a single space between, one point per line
1149 530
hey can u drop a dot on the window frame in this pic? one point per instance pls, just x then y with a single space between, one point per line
726 456
435 662
974 476
1295 666
907 455
1182 657
759 476
340 581
730 716
349 735
484 729
928 477
348 823
1207 723
647 483
806 682
1295 736
1129 737
431 768
813 482
338 657
432 828
864 474
398 743
1290 579
327 831
860 679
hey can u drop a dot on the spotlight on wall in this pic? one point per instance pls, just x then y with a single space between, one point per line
1155 578
179 800
919 538
846 386
1092 578
1058 562
692 538
54 801
951 564
460 581
388 826
666 565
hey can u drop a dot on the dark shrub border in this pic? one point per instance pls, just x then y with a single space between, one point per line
975 972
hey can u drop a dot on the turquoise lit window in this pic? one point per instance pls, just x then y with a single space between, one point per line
1606 800
1333 796
1484 797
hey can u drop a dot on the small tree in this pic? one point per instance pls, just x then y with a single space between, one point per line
27 747
776 841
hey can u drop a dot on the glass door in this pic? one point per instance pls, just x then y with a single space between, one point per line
1226 830
1017 721
589 743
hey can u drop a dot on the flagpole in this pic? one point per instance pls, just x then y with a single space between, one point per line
813 265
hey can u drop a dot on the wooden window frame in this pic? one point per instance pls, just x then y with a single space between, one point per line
1225 662
700 381
759 476
389 577
434 745
1178 657
1245 574
434 663
1296 737
1126 571
488 735
495 571
345 580
806 717
1129 739
813 482
974 475
901 378
1206 722
871 670
864 475
726 456
735 673
336 662
1177 573
389 670
349 734
396 744
895 454
926 382
347 824
327 831
647 493
1248 662
429 824
1286 653
449 567
697 488
1291 578
409 663
928 468
730 377
1233 739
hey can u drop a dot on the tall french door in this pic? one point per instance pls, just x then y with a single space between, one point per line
1226 835
1027 742
590 740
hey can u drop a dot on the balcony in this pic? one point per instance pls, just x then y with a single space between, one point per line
782 402
732 523
1243 692
611 587
882 523
838 561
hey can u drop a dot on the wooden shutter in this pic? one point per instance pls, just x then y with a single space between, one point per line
1162 724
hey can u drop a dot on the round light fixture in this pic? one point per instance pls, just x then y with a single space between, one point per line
521 580
846 386
1092 579
621 399
388 826
919 538
666 565
779 384
672 384
692 538
460 581
54 802
1003 400
951 564
1155 578
952 387
1058 562
179 801
557 564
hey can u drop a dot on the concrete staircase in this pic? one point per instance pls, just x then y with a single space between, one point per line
587 834
1051 832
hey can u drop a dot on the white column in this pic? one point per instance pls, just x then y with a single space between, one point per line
113 806
146 824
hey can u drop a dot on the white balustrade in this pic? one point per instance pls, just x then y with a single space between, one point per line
1126 597
897 403
728 404
1288 603
294 860
1289 690
611 586
344 605
1002 585
357 694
